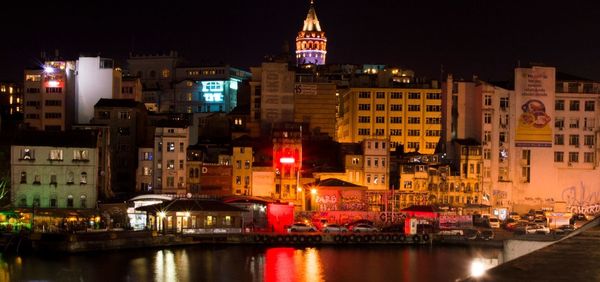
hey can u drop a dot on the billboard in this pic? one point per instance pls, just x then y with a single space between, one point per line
534 111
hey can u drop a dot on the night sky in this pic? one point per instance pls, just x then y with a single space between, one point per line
482 37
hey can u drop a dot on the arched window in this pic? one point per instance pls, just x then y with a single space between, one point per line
83 179
451 187
83 201
70 201
70 177
476 187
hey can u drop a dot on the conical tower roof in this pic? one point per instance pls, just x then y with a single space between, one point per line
311 23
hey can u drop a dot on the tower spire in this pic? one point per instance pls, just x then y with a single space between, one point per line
311 42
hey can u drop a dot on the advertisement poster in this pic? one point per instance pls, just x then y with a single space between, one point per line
534 94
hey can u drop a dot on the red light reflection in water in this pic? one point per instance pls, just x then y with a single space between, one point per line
289 264
279 264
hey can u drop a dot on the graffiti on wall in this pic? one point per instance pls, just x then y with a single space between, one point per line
581 200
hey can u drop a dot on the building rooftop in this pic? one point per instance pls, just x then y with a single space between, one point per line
171 123
75 138
191 205
561 76
334 182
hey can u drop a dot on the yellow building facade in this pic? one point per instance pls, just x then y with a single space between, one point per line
241 160
409 117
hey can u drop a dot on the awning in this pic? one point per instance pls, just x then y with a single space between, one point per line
55 212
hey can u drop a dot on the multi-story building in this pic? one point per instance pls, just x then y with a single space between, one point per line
145 170
131 88
96 78
376 154
241 161
538 140
127 121
170 156
409 117
315 104
11 98
311 43
54 169
215 179
208 88
155 71
287 160
49 96
194 163
271 96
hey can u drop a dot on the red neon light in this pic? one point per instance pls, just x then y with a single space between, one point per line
287 160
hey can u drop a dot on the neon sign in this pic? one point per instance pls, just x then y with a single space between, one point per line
212 86
212 91
287 160
213 97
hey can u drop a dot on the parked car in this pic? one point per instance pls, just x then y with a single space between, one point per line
486 234
451 232
514 216
329 228
494 222
529 216
540 219
351 225
471 233
565 229
536 229
301 227
394 228
362 227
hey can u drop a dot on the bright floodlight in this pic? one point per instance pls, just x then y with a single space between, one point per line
313 191
48 69
477 269
53 83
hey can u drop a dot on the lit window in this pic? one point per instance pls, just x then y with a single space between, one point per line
56 155
27 154
170 146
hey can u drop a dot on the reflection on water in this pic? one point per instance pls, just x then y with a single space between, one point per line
246 263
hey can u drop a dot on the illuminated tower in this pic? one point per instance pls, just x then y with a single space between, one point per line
311 43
